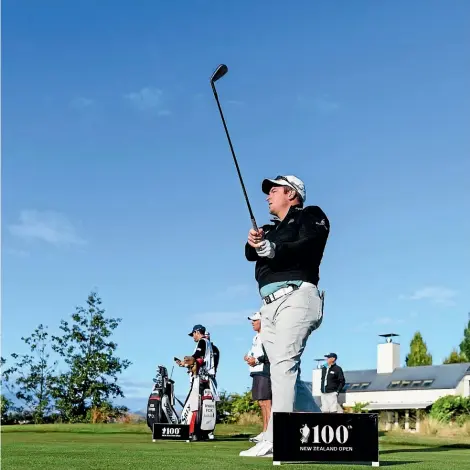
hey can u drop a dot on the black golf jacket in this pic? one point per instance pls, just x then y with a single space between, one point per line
300 240
335 380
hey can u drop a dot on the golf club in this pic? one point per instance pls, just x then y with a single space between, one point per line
221 70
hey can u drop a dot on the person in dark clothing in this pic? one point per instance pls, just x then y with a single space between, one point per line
332 382
202 366
287 253
215 352
197 358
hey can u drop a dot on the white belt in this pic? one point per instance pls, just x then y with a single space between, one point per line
278 294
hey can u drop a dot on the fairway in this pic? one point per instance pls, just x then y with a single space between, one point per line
123 447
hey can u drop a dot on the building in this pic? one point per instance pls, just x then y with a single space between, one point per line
392 389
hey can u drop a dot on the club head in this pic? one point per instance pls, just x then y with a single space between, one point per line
220 71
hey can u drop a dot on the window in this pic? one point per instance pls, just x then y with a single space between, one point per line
365 385
427 383
405 383
355 386
394 384
416 383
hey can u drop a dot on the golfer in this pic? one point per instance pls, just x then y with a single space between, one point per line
288 254
258 361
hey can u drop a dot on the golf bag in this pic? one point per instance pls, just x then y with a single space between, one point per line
200 407
161 402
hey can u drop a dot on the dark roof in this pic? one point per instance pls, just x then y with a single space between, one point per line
446 376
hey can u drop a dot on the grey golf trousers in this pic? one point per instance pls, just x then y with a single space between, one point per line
286 325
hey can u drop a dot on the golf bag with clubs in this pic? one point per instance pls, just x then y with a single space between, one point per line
161 402
199 408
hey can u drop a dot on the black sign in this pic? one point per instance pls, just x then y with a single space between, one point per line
172 432
326 437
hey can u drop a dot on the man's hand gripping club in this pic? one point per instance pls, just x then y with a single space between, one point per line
263 247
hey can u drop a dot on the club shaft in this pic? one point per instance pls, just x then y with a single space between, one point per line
253 221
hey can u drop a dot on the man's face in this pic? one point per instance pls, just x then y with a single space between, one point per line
330 360
197 335
279 198
256 324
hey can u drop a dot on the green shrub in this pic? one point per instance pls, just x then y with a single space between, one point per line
232 406
451 408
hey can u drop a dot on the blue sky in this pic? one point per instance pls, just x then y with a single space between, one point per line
117 174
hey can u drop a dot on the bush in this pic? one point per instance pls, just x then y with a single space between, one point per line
232 407
245 404
106 413
451 408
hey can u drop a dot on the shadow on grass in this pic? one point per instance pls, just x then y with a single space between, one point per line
391 463
234 437
415 449
383 463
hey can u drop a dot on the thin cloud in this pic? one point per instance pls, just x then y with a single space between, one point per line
381 321
237 290
17 253
148 98
135 388
325 105
81 103
211 319
438 295
236 102
388 321
322 104
48 226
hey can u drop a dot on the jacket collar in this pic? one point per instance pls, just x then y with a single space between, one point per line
291 210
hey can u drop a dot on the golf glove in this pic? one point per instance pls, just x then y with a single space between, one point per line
266 250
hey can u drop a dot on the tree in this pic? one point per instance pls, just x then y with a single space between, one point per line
465 344
32 375
455 357
418 355
6 406
87 349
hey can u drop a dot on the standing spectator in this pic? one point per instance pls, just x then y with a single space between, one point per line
258 361
332 382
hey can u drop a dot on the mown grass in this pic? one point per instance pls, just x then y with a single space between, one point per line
125 446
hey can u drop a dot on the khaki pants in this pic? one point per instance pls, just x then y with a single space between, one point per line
329 403
286 325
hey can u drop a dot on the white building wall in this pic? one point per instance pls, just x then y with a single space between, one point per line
464 387
394 396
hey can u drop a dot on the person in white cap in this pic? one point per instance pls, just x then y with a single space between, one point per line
258 362
288 253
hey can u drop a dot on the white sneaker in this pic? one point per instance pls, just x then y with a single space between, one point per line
211 436
262 449
257 438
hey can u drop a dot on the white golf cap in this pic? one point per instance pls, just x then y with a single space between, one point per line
255 316
289 180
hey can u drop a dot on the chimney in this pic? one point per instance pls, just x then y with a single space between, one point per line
388 355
